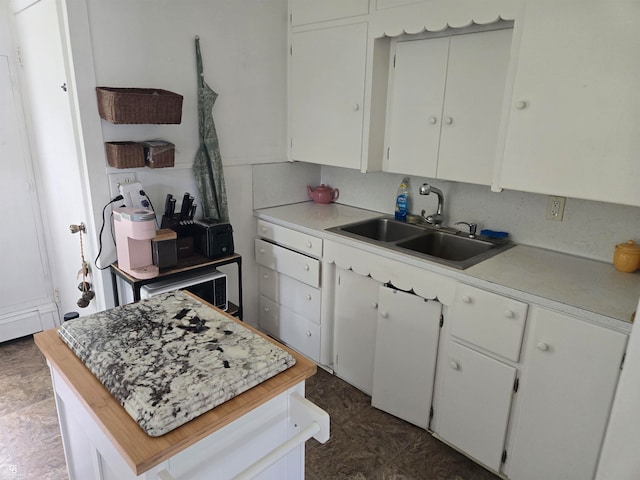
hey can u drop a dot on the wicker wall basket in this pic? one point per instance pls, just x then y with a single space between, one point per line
139 105
159 154
125 154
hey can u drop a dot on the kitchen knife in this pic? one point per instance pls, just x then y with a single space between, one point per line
172 207
186 205
167 205
192 212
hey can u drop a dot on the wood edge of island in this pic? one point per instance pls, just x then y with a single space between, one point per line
141 451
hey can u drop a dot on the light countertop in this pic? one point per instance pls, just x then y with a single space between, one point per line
591 289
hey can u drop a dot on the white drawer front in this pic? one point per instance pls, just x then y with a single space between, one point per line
489 321
288 292
307 244
291 328
293 264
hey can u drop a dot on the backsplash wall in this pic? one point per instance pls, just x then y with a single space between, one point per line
589 229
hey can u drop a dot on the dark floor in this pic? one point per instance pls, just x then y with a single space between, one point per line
365 443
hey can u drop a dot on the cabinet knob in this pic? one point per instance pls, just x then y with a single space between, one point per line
261 250
265 275
384 314
306 267
448 120
433 120
454 365
308 333
543 346
356 107
466 299
266 309
309 244
264 229
509 314
308 296
374 305
521 105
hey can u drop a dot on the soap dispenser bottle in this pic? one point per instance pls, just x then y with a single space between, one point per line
402 200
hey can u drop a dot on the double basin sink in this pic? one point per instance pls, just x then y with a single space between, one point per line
442 245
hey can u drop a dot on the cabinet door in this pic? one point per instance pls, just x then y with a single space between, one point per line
356 316
573 121
476 77
415 106
477 390
405 355
565 396
311 11
327 73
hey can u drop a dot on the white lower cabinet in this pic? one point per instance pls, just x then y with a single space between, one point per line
566 391
355 317
405 355
475 403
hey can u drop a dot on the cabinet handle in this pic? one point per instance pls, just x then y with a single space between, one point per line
454 365
306 267
266 309
433 120
261 250
466 299
308 296
509 314
265 275
448 120
521 105
264 229
384 314
309 244
308 333
356 107
374 305
543 346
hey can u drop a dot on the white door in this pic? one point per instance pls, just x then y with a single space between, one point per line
415 106
355 317
327 72
53 146
405 355
476 77
24 281
565 396
477 390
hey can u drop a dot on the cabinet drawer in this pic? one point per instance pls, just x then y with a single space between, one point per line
293 264
488 320
291 328
288 292
307 244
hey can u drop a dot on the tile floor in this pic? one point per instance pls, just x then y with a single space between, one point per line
365 444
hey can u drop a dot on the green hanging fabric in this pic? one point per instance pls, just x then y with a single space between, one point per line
207 166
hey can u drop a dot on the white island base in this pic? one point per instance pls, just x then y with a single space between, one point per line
258 434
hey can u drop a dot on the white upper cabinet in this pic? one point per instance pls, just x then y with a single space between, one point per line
574 116
445 103
326 95
312 11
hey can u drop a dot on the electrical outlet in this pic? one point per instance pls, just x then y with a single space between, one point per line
555 208
117 179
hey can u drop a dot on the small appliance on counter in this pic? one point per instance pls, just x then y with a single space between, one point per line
213 239
134 228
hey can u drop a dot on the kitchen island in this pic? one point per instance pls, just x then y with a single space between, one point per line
103 441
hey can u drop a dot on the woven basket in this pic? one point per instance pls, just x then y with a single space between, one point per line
125 154
159 154
139 105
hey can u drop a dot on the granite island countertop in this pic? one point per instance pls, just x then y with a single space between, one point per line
587 288
169 358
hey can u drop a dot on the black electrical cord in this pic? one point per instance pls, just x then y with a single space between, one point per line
116 199
142 192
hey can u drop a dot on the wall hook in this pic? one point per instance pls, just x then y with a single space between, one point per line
78 228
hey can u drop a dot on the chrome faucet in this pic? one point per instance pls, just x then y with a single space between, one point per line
473 227
435 218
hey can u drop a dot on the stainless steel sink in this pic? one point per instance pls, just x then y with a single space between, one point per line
382 229
442 245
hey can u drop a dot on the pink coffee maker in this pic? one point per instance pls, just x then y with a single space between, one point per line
134 229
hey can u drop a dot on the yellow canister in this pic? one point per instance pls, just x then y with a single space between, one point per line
626 257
